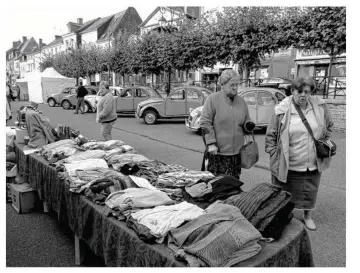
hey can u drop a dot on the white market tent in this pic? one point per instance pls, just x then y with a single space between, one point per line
42 85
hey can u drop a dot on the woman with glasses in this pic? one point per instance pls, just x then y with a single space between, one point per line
293 161
222 120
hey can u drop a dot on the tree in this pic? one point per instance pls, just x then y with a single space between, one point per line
245 35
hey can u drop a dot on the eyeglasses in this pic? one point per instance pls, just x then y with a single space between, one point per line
234 85
302 91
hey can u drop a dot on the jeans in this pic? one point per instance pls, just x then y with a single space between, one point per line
79 104
106 130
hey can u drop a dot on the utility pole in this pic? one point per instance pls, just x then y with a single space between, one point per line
108 59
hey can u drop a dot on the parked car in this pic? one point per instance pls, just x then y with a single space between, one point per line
127 98
69 101
260 100
178 104
282 84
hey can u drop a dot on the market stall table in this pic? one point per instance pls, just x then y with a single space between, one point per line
118 245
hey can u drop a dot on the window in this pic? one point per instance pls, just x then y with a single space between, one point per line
178 95
265 99
151 93
192 94
279 96
140 93
91 91
250 98
127 93
73 91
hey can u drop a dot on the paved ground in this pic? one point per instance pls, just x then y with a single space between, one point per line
170 141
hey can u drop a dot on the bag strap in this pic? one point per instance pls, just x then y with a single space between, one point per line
303 119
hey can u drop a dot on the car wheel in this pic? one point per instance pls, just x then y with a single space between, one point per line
85 108
51 102
66 104
150 117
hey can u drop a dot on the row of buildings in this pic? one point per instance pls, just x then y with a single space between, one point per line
25 55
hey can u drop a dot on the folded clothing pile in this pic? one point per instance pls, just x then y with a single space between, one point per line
154 224
103 145
129 159
182 179
267 207
89 154
151 170
220 237
118 150
218 188
136 198
58 150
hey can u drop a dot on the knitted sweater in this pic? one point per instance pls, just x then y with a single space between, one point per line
217 237
106 107
261 204
224 120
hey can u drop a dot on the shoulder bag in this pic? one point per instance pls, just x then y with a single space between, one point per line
325 147
249 153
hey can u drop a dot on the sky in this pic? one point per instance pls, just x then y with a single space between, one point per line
45 19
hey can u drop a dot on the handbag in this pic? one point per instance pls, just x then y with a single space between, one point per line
325 147
249 153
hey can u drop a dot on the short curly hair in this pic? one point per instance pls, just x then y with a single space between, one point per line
105 84
226 76
300 83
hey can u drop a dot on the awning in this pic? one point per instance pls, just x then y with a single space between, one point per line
320 61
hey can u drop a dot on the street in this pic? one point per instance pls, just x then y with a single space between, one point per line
169 141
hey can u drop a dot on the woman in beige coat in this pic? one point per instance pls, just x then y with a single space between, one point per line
293 161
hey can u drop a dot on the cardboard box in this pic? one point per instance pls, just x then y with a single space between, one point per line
23 197
20 134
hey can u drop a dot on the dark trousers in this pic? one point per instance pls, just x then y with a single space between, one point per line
79 104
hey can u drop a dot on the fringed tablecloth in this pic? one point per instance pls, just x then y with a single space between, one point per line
120 246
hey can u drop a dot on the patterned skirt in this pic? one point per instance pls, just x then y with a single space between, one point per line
225 164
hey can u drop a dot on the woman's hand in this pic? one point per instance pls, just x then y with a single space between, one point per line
213 149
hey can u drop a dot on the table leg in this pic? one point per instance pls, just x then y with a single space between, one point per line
80 250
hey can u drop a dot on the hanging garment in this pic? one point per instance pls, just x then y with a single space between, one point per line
161 219
220 237
40 131
182 179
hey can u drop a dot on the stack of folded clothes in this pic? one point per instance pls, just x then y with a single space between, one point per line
267 207
182 179
221 237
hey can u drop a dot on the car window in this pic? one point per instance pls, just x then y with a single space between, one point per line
250 98
280 96
265 99
140 93
127 93
66 90
73 91
178 94
192 94
91 91
151 93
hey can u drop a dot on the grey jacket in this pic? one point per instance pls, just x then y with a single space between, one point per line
277 136
106 107
224 120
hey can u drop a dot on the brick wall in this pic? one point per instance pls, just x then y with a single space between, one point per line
338 114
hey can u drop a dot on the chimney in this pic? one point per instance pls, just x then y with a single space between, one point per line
40 42
58 37
24 39
80 21
14 44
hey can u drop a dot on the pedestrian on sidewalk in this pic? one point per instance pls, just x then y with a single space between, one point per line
8 109
225 119
106 110
81 92
294 164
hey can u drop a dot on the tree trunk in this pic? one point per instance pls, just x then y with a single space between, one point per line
169 81
246 76
329 73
